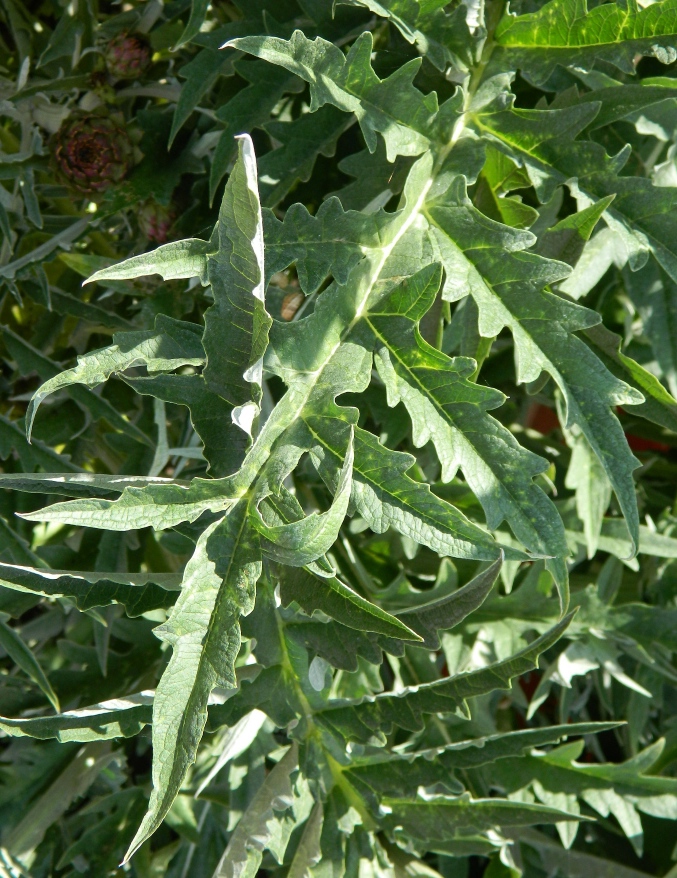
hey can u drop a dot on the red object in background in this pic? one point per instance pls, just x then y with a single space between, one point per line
541 418
639 443
529 683
544 419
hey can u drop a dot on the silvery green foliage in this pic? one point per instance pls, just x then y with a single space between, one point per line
364 598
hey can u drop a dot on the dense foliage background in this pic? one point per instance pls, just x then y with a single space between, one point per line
361 510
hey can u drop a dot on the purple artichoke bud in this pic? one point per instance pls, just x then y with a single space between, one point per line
91 152
155 221
127 55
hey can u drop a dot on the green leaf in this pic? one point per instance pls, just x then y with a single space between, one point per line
400 775
267 691
70 784
655 297
301 142
251 107
254 832
201 74
619 789
22 656
204 633
236 325
506 283
64 303
372 716
137 592
210 416
614 538
449 409
309 852
587 478
386 497
118 718
299 542
566 238
339 646
335 599
78 484
332 242
13 439
445 39
15 549
376 179
437 819
574 863
658 406
392 107
173 261
29 359
171 344
234 743
63 238
198 13
447 612
155 505
565 32
544 142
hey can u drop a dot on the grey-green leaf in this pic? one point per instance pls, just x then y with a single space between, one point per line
375 715
204 633
137 592
21 655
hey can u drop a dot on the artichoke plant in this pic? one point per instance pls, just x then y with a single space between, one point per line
127 55
92 152
155 221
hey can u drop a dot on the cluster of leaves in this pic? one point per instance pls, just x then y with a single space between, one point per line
321 547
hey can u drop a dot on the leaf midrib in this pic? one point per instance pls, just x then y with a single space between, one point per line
262 448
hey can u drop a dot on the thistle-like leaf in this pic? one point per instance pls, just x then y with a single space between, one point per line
543 141
204 633
251 107
117 718
565 32
622 789
154 505
392 107
298 543
334 598
253 833
447 612
386 497
371 717
137 592
444 38
29 359
507 283
331 242
173 261
210 415
400 775
22 656
77 484
449 409
171 344
302 141
437 819
237 324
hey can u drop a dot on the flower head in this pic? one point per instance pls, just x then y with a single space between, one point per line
127 55
91 152
155 221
